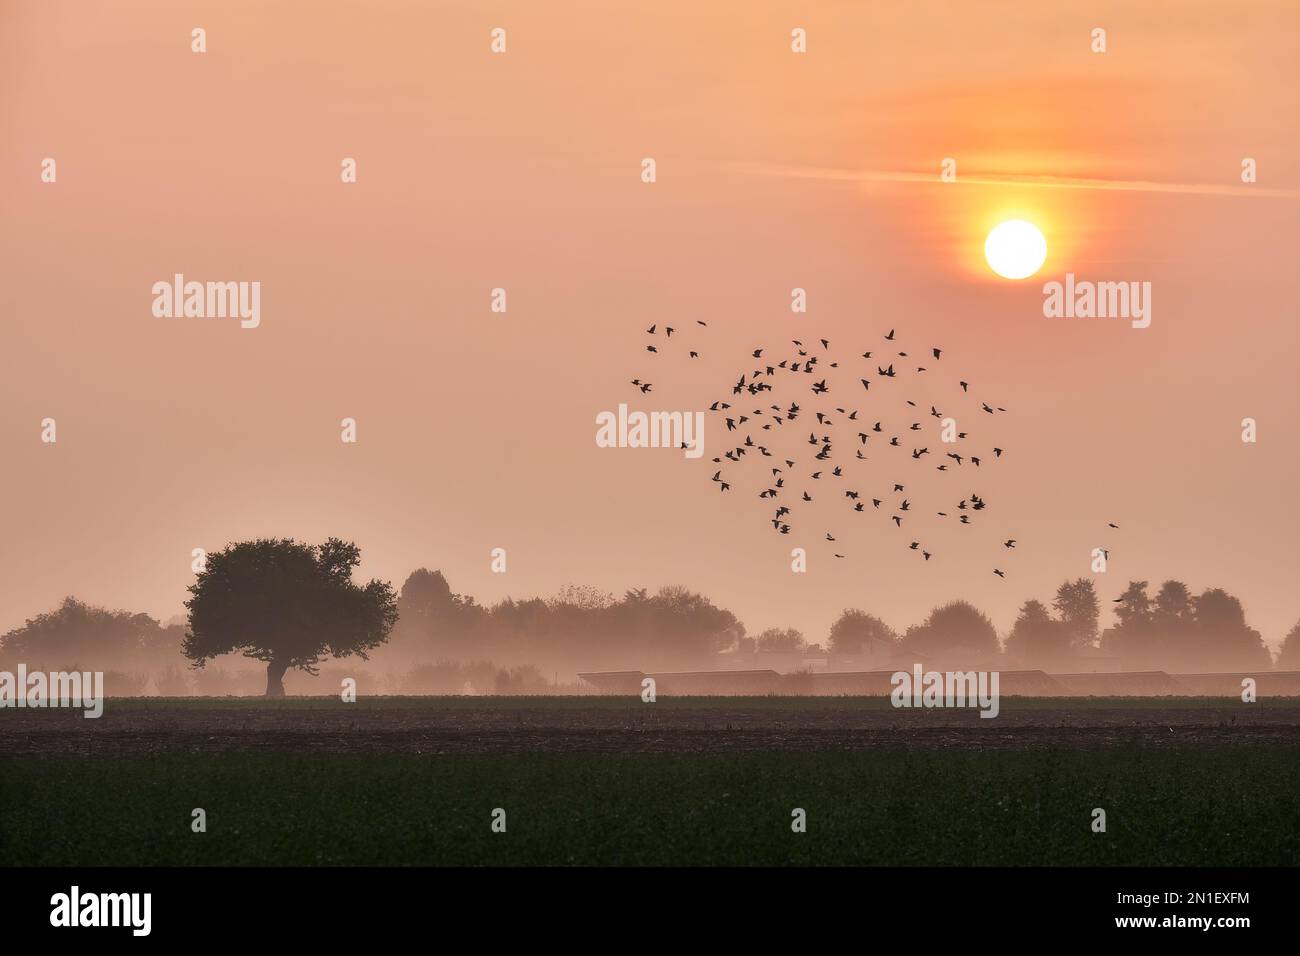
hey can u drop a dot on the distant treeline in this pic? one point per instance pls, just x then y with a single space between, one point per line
675 627
583 628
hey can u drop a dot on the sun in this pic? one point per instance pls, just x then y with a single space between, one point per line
1015 249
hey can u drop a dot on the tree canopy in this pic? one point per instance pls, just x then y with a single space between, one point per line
1288 655
78 635
957 629
580 625
1037 639
1076 603
1179 630
779 640
286 603
856 632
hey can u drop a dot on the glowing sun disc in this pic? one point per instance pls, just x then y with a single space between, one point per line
1015 249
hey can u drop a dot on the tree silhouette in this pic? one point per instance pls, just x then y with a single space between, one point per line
957 629
1288 655
1037 639
1172 621
680 625
1076 603
1222 639
857 630
288 604
77 635
776 640
424 596
431 615
1134 605
1181 631
1134 638
580 626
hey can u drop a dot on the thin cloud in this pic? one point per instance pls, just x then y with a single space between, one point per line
1038 182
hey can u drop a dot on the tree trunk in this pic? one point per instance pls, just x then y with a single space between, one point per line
275 678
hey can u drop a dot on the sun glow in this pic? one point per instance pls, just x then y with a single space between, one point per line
1015 249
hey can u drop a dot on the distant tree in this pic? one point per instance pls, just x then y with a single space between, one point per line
1135 607
433 620
77 635
1134 639
957 629
688 627
855 631
1172 621
776 640
1173 611
425 596
122 684
287 604
520 680
1288 655
1076 603
1037 639
1174 599
171 682
584 596
1222 638
516 624
1180 631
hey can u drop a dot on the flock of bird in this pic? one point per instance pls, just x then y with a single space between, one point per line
842 429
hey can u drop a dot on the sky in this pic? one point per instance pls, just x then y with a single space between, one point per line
522 170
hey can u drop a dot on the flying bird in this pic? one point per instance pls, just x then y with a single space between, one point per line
778 371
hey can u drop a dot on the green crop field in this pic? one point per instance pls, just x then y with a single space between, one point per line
1189 806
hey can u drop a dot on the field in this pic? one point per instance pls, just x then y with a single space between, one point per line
600 780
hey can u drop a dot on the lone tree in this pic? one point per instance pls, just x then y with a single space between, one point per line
288 604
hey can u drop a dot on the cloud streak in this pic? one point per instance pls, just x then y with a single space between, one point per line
868 176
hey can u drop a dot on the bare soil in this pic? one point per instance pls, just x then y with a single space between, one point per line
718 728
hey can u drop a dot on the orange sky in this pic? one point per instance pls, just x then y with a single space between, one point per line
521 170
